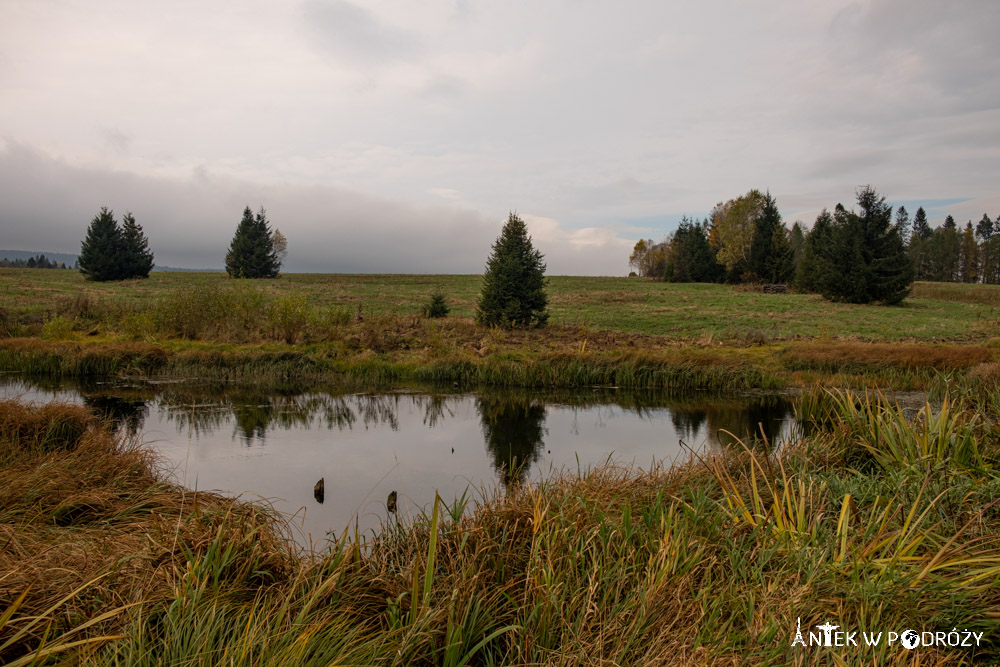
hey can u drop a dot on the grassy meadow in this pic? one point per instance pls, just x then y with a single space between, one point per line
369 329
875 518
939 312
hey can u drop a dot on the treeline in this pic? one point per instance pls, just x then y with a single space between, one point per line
856 256
40 262
951 254
744 241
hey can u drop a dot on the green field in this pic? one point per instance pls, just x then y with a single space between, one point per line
875 518
603 331
687 312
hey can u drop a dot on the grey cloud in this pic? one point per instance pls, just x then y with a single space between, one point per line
947 48
848 163
115 139
444 86
46 205
354 33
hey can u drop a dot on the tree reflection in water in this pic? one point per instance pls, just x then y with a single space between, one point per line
122 412
514 432
752 419
512 421
254 416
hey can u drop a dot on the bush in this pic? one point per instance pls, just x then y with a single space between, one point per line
437 306
513 292
58 328
289 318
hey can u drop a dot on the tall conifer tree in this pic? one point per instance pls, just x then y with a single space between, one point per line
867 260
770 259
513 293
251 253
101 253
816 268
138 258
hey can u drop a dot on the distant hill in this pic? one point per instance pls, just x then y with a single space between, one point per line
70 259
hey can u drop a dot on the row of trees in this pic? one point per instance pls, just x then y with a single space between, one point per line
744 241
951 254
121 252
513 292
39 262
871 254
113 252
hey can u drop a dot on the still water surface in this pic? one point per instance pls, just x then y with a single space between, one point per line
277 445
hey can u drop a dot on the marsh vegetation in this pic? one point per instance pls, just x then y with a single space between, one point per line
709 562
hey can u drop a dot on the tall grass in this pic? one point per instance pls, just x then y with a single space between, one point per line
711 562
878 429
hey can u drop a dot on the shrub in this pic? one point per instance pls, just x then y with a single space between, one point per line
58 328
289 317
437 306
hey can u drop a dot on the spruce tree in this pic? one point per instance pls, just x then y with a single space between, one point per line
945 251
891 268
985 228
986 231
770 259
920 226
815 269
689 256
513 293
101 253
919 246
851 274
797 239
868 258
251 253
138 258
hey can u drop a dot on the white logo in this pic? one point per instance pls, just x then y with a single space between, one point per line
827 635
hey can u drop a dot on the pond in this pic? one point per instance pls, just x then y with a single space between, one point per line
277 445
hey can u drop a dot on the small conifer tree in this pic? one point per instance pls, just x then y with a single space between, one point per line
101 253
437 307
251 253
513 293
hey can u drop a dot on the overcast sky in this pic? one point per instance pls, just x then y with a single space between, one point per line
395 136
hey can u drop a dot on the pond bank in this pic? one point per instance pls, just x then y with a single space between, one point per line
711 562
519 359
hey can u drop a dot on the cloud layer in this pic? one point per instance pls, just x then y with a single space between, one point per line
190 222
363 122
